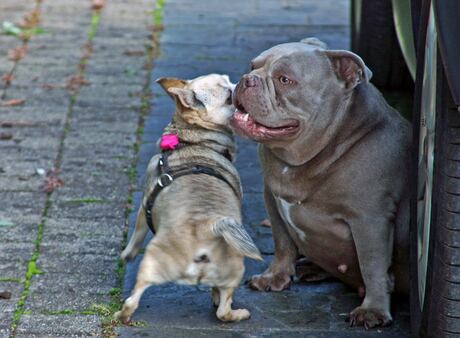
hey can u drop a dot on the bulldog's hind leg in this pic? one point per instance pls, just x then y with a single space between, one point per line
138 236
373 237
225 312
152 271
279 275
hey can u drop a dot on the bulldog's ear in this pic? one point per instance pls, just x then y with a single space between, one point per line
170 82
186 97
314 42
348 67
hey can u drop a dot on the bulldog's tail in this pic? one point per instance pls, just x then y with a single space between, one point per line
236 236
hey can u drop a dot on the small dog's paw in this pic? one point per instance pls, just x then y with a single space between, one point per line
370 318
241 314
270 282
128 255
121 317
234 315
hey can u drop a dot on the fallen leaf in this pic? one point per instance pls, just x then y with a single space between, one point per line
134 52
7 78
50 86
5 295
97 4
11 124
6 136
52 181
76 82
18 53
31 19
13 102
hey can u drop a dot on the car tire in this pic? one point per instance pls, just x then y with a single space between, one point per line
373 37
437 314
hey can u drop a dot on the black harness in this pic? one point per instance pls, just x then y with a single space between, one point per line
167 176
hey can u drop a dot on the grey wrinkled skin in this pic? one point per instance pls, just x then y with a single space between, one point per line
336 188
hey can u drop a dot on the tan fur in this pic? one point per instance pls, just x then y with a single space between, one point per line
197 215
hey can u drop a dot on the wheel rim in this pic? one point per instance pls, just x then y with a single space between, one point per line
426 155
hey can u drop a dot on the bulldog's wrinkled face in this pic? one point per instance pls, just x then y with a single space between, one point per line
204 101
287 91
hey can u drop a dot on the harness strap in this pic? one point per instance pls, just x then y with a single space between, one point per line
167 176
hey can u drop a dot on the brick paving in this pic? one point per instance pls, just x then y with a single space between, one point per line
85 130
85 82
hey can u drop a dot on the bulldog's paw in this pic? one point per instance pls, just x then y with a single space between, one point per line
270 282
369 317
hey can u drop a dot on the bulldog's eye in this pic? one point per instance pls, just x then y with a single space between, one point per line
285 80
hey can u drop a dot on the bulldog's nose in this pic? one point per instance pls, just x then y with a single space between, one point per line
250 81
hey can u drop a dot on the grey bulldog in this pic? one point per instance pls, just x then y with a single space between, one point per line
335 158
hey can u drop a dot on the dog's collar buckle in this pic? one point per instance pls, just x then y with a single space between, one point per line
164 180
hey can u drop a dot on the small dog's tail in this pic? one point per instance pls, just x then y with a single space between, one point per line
236 236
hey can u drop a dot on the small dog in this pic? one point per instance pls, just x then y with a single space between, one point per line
192 200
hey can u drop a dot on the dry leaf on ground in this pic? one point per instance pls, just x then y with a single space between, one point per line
6 136
13 102
30 19
52 181
134 52
18 53
7 78
5 295
97 4
76 82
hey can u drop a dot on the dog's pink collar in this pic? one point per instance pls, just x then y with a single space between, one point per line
169 141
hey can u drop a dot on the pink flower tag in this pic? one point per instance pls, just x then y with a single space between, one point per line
169 141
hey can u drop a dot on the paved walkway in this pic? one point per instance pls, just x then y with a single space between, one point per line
77 128
68 122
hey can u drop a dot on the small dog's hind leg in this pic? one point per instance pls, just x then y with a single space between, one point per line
130 305
135 243
152 271
215 294
225 312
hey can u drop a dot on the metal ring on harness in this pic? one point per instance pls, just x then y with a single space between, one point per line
164 180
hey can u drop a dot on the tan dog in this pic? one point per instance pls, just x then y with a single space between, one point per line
197 217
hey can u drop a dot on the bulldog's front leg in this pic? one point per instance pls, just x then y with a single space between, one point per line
279 275
373 237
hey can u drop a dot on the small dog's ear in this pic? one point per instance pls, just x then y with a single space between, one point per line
170 82
348 67
186 97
